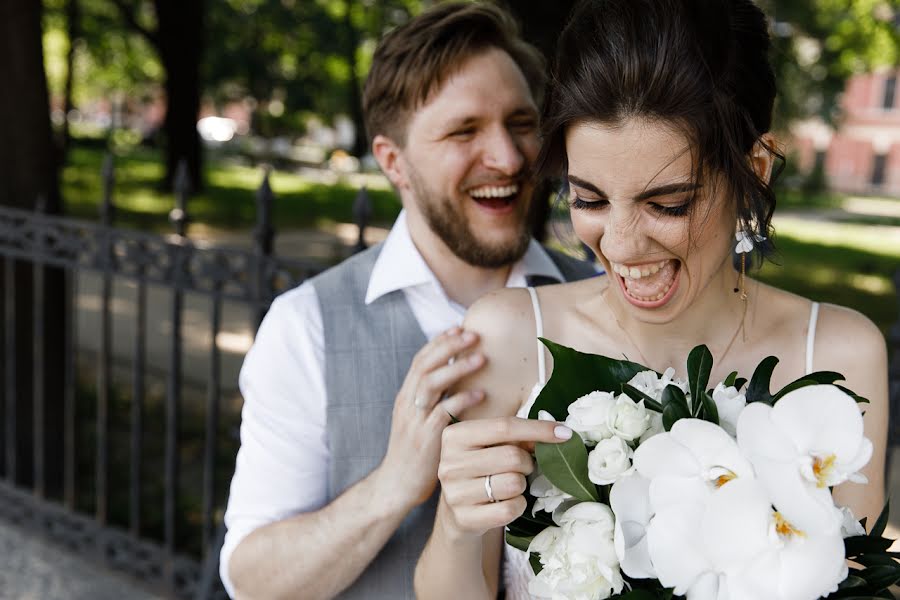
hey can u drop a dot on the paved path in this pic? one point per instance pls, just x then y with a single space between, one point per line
31 569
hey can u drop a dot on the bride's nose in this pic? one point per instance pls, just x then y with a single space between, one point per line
623 240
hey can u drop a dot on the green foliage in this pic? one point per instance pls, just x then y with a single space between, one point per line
576 374
565 465
818 44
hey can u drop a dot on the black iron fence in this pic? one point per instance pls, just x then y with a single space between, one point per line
95 446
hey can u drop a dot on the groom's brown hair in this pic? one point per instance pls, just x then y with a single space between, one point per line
413 60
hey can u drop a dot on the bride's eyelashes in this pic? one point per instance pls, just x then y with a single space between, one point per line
678 210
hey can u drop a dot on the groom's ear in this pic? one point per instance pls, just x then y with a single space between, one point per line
762 157
389 157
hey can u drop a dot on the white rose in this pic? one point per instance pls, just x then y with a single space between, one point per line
655 426
609 460
588 416
729 404
578 557
547 496
628 419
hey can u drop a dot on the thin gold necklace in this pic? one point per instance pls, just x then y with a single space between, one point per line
646 362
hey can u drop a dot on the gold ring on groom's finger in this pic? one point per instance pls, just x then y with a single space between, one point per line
487 488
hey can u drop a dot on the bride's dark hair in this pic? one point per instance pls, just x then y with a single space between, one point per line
699 65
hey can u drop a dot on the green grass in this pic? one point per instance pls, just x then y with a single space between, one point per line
228 200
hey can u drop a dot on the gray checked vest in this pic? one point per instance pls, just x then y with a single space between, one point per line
368 350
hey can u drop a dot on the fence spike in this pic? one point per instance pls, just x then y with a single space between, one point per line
362 210
182 187
265 233
108 175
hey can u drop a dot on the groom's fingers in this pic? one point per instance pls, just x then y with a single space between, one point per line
480 433
433 384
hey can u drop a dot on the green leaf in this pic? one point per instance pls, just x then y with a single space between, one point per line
699 366
817 378
565 465
732 377
675 406
637 395
739 383
881 523
520 543
852 581
849 392
528 525
637 595
710 411
453 420
576 374
534 560
758 391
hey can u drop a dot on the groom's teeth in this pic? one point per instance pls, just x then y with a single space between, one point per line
494 191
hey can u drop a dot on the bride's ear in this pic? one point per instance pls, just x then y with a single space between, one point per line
762 157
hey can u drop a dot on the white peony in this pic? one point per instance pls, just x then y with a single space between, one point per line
548 497
810 440
652 384
729 404
589 416
609 460
578 557
628 419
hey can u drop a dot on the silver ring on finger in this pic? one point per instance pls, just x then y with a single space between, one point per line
488 490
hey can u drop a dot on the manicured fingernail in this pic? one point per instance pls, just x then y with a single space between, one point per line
468 337
562 433
476 359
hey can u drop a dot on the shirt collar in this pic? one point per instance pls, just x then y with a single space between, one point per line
400 265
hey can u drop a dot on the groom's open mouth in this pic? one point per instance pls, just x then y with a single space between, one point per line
648 285
496 199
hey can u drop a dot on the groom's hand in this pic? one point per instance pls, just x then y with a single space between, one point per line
421 412
498 448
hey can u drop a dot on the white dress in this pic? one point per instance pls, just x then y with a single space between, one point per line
516 570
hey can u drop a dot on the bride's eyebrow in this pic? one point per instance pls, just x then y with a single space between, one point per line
661 190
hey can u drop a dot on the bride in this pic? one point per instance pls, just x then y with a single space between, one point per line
658 121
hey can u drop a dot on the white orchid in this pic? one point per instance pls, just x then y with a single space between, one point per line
578 558
736 546
812 439
729 404
589 416
689 462
629 499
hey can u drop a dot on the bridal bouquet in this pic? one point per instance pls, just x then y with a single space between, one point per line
669 488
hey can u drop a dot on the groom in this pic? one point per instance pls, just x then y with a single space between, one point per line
333 491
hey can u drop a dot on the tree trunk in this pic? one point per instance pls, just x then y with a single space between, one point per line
73 25
354 97
180 37
28 169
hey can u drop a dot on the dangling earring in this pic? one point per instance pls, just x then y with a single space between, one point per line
745 244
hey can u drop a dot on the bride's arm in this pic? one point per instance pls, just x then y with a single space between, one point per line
849 343
462 557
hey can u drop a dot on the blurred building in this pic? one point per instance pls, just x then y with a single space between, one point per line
863 155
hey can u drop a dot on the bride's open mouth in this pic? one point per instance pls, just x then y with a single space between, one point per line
496 199
648 285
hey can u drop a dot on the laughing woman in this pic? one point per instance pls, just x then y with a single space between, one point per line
658 122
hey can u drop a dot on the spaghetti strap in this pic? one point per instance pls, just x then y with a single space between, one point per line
539 327
811 336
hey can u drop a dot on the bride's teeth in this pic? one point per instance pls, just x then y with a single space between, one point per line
654 269
635 273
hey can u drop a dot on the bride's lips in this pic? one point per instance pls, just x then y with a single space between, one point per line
673 287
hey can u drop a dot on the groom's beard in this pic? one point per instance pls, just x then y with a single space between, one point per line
449 223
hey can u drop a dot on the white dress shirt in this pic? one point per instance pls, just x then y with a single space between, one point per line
282 465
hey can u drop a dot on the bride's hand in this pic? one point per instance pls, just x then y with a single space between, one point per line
499 448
